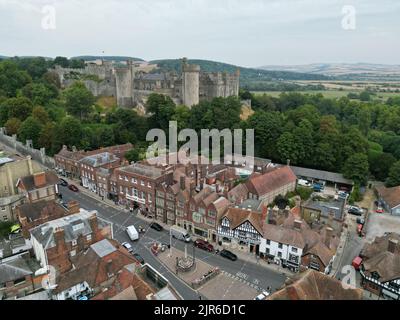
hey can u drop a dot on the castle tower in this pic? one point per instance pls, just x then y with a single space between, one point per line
124 83
190 83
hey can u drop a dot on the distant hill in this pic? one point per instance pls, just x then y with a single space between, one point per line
344 71
246 74
108 58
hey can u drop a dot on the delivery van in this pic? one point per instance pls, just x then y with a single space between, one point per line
132 233
180 233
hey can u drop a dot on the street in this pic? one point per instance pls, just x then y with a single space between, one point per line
244 269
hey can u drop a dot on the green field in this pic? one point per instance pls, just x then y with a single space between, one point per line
330 93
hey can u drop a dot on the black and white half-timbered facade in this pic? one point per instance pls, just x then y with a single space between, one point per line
241 227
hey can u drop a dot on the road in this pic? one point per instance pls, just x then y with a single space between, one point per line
249 271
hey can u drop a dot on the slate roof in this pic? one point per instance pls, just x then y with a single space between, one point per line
320 175
327 207
99 159
14 268
314 285
34 211
73 226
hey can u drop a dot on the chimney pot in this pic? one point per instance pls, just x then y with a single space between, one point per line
392 245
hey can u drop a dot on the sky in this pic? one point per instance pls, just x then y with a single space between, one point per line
248 33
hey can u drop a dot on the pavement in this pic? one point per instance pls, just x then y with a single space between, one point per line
245 267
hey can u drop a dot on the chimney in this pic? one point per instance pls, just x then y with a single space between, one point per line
74 149
328 236
94 226
64 147
392 245
182 182
288 162
30 168
286 211
201 184
39 179
73 207
297 224
109 268
264 214
59 239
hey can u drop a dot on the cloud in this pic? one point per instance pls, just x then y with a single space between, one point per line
243 32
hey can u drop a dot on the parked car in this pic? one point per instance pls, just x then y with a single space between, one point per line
127 246
262 296
343 194
132 233
317 187
156 226
63 183
139 258
229 255
379 210
360 220
355 210
73 188
202 244
304 183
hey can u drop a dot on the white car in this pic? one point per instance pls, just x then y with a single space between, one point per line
262 296
127 246
304 183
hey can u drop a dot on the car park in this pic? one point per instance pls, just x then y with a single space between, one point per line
127 246
229 255
202 244
73 188
156 226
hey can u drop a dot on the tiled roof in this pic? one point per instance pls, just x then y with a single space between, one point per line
29 182
238 216
314 285
270 181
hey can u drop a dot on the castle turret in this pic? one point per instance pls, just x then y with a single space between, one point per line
124 83
190 83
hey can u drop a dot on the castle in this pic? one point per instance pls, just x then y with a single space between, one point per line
133 81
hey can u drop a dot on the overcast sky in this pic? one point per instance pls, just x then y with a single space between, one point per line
243 32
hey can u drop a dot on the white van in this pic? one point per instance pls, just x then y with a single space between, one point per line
304 183
179 233
132 233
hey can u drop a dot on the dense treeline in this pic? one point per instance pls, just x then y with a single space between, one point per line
359 138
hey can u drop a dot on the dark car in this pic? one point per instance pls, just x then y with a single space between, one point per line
360 220
355 210
229 255
139 258
201 244
156 226
73 188
63 183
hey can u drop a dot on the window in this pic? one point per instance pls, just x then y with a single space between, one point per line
141 182
120 177
268 242
74 242
5 218
72 253
126 178
149 197
211 213
294 249
279 254
89 237
280 246
134 180
149 184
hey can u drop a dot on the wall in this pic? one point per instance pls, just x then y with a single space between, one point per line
26 149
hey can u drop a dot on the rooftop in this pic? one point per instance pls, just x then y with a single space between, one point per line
99 159
320 175
143 170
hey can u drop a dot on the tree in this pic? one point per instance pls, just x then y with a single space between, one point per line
30 130
394 175
162 109
46 137
40 114
20 107
69 132
288 148
133 155
78 100
380 165
181 116
356 168
12 126
12 78
61 61
39 93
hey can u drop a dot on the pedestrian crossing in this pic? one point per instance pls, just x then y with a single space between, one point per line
242 278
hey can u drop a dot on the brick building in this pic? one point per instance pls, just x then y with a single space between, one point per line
56 241
39 186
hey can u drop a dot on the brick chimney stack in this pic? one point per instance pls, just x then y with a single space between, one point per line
73 207
182 182
328 236
392 245
264 214
59 239
297 225
95 227
39 179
